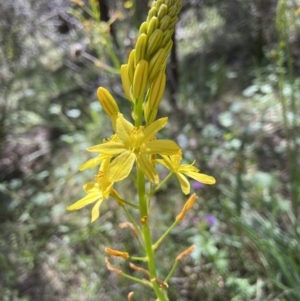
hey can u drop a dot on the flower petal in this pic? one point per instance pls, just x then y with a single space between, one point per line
92 162
96 210
109 148
91 187
153 128
162 147
123 129
200 177
185 168
148 169
166 162
121 166
88 199
184 183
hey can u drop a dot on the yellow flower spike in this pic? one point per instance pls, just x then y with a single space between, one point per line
140 79
163 10
131 65
140 48
185 253
163 66
154 42
187 206
172 22
168 47
167 37
125 81
157 90
152 26
172 11
152 13
107 102
155 63
159 3
181 171
135 145
143 28
165 23
116 253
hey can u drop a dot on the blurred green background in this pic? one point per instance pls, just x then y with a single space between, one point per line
233 105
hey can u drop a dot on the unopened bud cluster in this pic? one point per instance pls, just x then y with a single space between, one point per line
145 70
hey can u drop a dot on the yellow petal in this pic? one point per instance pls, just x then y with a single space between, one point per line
186 168
166 162
123 129
90 186
162 147
121 166
109 148
200 177
90 198
96 210
184 183
148 169
91 163
153 128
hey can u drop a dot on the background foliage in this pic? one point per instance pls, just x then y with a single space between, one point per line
235 109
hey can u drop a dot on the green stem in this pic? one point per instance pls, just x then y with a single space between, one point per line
136 227
135 258
163 182
136 279
156 245
138 112
147 234
171 271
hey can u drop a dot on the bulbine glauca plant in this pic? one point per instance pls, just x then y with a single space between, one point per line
133 150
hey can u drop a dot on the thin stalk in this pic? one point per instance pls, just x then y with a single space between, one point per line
136 279
175 265
156 245
147 234
136 227
163 182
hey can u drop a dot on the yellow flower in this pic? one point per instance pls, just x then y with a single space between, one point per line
96 192
181 171
135 145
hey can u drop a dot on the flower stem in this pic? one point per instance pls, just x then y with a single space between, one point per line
156 245
147 235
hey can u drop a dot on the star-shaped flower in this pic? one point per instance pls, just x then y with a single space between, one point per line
97 191
181 171
136 144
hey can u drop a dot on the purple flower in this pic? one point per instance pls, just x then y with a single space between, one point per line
211 220
197 185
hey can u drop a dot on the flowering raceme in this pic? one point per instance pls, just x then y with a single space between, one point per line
134 150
